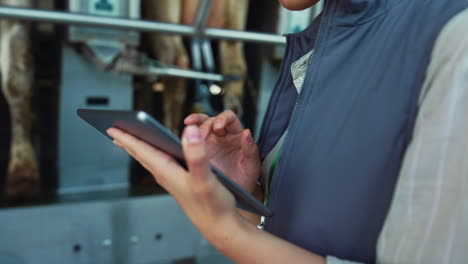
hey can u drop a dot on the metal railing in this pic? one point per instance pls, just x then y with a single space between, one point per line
138 25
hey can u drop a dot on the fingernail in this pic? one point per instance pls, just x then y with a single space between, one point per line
249 138
193 135
117 143
218 123
189 119
113 132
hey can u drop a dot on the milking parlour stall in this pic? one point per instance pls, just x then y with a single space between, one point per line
68 194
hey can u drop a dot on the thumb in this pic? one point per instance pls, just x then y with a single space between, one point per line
196 156
250 151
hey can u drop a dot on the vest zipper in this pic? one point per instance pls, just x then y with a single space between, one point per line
274 177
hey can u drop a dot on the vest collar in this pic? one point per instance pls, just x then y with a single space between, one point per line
357 12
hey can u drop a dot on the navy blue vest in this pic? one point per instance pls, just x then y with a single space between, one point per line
349 128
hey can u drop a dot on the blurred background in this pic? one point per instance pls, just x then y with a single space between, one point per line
68 195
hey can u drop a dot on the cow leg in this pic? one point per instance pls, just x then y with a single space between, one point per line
232 55
216 16
16 69
169 49
175 92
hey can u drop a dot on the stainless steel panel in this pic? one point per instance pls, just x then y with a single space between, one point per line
150 229
107 8
88 161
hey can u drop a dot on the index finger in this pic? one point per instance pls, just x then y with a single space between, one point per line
227 122
195 119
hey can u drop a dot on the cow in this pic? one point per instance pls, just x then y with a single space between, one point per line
16 67
230 14
169 49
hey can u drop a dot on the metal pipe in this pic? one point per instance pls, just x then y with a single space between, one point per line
89 20
207 53
124 65
202 15
197 59
245 36
186 74
137 25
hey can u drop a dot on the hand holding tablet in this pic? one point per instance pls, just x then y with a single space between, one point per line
144 127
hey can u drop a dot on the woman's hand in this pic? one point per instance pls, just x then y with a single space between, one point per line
208 204
197 190
230 147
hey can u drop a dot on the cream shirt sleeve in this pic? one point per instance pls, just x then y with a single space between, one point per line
428 215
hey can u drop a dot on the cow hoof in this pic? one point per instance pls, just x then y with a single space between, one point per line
23 182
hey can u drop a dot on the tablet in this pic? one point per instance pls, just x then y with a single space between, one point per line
146 128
